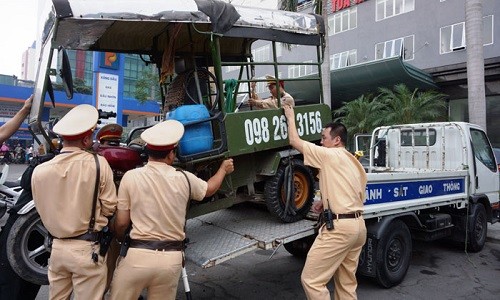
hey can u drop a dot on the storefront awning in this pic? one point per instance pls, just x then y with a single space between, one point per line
351 82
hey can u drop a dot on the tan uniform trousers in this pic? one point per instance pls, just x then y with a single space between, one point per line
71 269
334 253
157 271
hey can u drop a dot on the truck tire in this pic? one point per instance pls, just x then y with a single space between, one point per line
275 195
393 254
300 248
28 248
477 228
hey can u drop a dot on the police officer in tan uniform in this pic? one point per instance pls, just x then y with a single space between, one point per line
272 101
109 135
342 182
154 199
63 191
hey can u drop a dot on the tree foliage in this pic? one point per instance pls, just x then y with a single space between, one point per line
361 115
403 106
147 87
397 106
79 86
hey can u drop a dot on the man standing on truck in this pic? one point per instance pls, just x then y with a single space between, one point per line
74 204
272 101
153 200
342 181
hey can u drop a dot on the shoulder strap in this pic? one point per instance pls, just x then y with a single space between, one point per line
189 183
189 196
96 189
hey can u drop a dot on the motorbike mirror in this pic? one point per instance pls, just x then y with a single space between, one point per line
65 73
50 90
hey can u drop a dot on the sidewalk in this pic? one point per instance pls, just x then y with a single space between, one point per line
493 233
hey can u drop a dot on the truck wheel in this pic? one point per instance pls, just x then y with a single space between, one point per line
275 195
393 254
477 228
28 248
300 247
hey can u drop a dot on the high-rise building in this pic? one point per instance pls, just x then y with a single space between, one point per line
28 64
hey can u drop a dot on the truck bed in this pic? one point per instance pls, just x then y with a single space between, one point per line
225 234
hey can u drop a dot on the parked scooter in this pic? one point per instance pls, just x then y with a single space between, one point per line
6 157
9 191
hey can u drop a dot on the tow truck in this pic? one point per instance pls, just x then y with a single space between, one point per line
426 181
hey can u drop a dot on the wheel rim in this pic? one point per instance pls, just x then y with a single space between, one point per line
479 227
301 187
394 255
35 246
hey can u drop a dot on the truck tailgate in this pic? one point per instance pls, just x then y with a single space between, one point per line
225 234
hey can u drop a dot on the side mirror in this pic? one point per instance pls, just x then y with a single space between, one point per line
65 73
50 91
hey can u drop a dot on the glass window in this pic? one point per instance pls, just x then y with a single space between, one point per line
133 68
420 137
343 21
300 70
488 30
403 47
261 54
343 59
458 36
453 36
389 8
482 149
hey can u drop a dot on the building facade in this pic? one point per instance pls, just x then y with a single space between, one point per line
365 37
28 64
429 35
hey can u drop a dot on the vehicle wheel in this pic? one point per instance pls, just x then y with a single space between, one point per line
300 247
393 254
28 248
3 209
275 194
477 228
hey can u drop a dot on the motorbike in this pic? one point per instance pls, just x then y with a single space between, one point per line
29 242
6 157
9 191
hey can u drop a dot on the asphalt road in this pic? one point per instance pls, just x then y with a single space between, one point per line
438 271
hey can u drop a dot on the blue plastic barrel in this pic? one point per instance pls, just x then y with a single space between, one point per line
197 138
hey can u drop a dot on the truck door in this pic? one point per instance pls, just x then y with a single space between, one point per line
486 172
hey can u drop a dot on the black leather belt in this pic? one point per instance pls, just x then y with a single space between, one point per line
348 216
88 236
158 245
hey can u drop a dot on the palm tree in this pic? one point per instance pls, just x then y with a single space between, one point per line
403 106
361 115
475 62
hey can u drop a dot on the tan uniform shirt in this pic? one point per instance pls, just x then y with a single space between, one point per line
157 197
272 102
342 179
63 191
